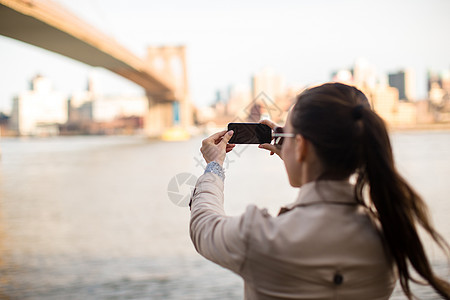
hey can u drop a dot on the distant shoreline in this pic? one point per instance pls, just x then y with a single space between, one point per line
205 130
421 127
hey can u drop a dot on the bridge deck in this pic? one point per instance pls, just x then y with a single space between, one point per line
48 25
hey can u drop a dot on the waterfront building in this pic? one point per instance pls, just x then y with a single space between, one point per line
39 110
269 83
403 81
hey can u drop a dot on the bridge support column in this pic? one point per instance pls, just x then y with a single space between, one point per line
158 118
167 120
176 110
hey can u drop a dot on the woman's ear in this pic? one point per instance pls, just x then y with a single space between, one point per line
301 148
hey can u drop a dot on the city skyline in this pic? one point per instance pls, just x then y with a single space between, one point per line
228 44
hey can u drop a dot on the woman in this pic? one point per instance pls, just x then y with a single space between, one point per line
337 240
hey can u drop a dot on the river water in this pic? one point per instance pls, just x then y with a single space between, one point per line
91 217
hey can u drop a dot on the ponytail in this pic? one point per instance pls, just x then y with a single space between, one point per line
398 207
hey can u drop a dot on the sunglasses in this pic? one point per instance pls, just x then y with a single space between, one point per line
279 135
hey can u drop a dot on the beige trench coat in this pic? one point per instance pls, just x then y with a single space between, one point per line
314 251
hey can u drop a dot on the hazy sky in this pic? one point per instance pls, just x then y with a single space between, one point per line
230 40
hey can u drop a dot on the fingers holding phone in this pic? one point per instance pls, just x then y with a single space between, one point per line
229 147
216 146
274 149
269 123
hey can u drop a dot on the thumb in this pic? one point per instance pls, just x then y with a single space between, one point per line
227 137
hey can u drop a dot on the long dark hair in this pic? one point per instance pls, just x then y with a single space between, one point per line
350 139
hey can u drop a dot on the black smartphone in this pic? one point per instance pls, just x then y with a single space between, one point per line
250 133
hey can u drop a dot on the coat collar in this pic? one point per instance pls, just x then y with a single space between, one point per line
335 191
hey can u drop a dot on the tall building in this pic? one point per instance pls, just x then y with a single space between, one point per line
343 76
385 101
364 74
439 94
269 83
106 109
404 82
40 110
445 80
89 109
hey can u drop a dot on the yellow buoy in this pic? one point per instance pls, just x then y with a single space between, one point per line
175 134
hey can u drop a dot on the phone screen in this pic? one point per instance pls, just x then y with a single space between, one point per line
250 133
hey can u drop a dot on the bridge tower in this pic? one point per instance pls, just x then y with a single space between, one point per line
169 116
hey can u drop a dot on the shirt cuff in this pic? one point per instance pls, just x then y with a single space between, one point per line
215 168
